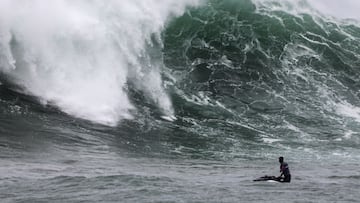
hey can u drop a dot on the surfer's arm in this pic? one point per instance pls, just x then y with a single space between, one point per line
282 174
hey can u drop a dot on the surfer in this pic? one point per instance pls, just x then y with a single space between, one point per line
285 175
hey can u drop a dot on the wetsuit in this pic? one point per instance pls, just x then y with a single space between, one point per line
284 169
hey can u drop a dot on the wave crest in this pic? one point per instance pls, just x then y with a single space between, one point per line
79 55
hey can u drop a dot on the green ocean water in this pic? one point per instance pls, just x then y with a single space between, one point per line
248 81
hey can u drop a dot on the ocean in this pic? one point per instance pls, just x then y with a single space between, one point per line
179 101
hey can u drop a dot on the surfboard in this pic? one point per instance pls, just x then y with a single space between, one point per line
268 179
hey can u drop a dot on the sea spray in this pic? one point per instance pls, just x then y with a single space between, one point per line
79 55
347 9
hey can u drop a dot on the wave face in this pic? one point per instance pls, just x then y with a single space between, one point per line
80 55
274 72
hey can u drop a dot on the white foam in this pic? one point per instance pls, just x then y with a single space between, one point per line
270 140
78 55
169 118
348 110
340 9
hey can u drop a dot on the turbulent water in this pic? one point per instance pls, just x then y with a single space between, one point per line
179 101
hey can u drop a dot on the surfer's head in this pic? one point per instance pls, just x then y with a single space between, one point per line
281 159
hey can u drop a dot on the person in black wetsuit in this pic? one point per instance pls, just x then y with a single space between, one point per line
285 171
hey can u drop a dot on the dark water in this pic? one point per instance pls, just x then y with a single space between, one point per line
248 83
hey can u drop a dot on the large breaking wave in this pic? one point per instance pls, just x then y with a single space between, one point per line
275 72
253 64
80 55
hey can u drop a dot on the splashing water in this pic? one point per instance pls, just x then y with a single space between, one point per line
79 55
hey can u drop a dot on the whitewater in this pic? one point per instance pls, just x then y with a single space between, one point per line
79 55
179 101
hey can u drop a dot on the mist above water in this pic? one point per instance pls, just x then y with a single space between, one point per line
340 9
347 9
